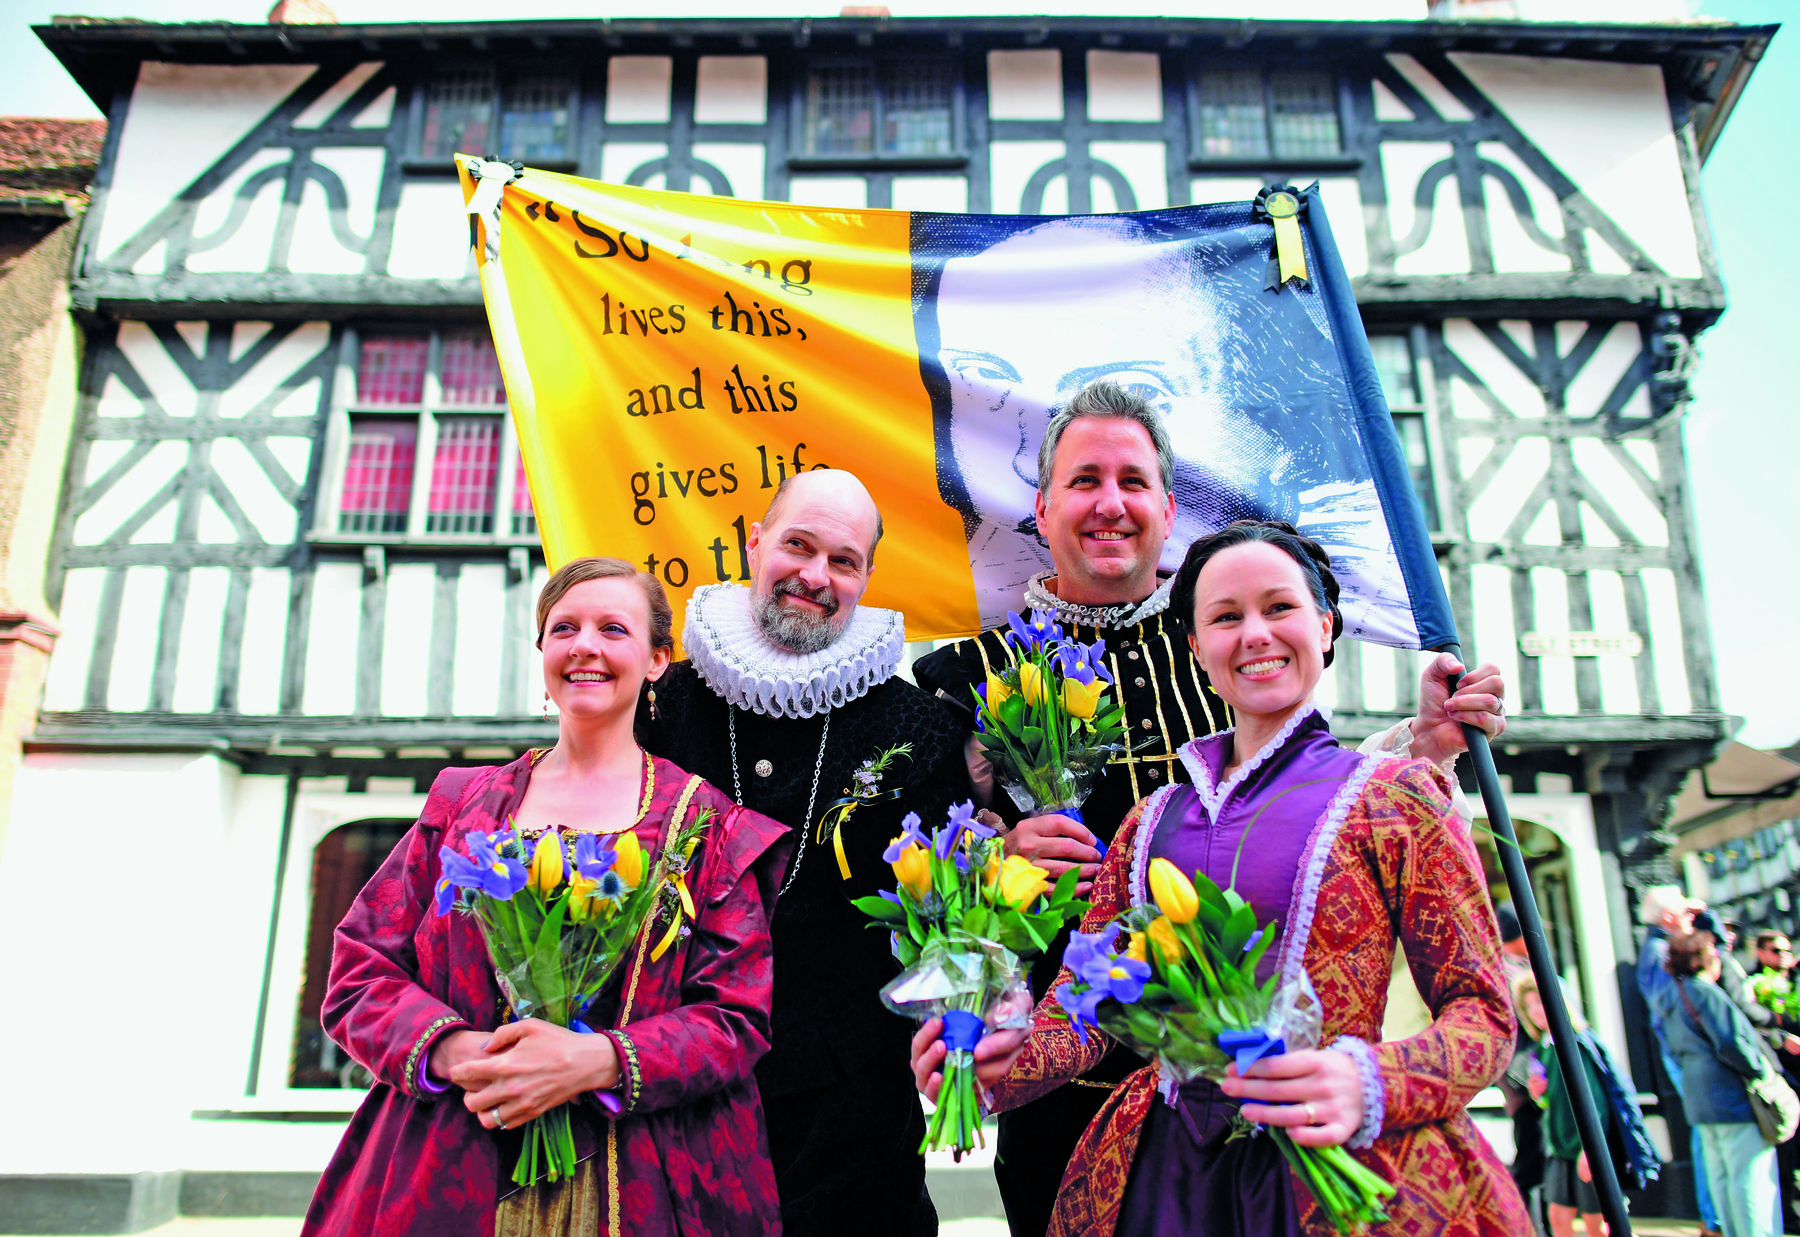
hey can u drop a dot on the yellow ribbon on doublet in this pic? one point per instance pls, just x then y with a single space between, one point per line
1290 251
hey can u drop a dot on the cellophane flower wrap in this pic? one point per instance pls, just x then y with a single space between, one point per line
1047 722
966 919
560 911
1182 990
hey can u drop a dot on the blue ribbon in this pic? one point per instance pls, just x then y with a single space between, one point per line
1251 1046
962 1030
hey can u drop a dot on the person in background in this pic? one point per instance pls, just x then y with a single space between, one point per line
1718 1052
1774 954
1568 1177
1665 911
1521 1104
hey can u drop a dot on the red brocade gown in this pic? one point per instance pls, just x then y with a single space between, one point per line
687 1156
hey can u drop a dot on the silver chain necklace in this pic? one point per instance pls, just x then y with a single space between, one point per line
737 786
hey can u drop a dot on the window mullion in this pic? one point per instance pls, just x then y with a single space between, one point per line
508 467
1268 89
337 433
425 457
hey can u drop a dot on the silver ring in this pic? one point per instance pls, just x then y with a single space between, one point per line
1311 1117
495 1114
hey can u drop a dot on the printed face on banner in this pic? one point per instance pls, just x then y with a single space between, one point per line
1026 312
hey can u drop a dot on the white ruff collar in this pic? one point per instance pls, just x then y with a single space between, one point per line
1126 614
738 662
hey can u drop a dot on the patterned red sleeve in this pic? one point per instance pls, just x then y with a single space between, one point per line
721 1028
375 1007
1055 1053
1430 872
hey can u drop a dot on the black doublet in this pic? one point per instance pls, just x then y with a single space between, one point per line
1166 704
828 1027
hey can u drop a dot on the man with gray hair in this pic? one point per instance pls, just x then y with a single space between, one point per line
1105 507
790 686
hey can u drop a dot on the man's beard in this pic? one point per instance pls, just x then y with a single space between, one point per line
794 629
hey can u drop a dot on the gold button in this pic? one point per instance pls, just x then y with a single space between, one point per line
1145 723
1155 772
1133 655
764 768
1139 680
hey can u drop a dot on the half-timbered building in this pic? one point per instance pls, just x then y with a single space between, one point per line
295 557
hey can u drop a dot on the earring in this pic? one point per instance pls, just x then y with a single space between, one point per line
653 714
546 704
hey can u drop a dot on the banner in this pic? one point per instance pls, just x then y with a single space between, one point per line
671 358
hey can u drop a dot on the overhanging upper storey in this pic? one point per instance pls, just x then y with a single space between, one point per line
1468 168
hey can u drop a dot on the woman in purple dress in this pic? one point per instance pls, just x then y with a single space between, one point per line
1349 855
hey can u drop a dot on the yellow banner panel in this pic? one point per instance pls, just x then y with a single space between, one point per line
682 354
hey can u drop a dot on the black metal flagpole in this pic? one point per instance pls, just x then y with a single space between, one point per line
1556 1012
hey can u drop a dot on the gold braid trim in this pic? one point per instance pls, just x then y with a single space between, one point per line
409 1081
637 971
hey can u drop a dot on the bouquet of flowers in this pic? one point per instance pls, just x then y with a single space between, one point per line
559 914
964 919
1184 991
1774 991
1044 721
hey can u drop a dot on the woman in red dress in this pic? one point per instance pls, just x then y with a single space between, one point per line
669 1126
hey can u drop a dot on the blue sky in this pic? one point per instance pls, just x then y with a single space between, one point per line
1743 428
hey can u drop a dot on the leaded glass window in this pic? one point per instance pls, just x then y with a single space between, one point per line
1252 113
895 109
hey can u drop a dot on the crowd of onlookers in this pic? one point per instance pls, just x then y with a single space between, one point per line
1727 1040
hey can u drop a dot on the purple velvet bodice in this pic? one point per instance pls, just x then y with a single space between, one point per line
1278 795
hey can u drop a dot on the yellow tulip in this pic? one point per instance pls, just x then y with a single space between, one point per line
630 863
1173 892
997 691
547 863
1136 948
991 873
1162 934
1022 881
1031 683
913 867
1082 699
581 897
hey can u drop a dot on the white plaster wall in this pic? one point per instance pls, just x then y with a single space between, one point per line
731 90
431 233
141 889
1622 153
182 120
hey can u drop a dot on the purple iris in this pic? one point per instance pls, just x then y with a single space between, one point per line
891 896
1035 632
1103 973
1084 662
1254 937
961 819
591 859
910 833
487 871
981 690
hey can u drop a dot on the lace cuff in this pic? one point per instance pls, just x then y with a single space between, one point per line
1373 1089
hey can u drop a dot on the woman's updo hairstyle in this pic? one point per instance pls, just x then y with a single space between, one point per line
1315 565
581 570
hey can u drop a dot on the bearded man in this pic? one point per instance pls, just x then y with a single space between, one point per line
1105 506
789 688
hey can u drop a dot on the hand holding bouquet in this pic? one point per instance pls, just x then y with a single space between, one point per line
1045 722
559 914
1184 992
964 919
